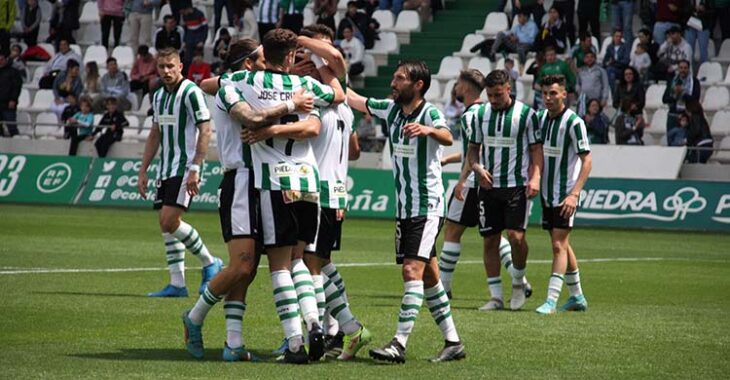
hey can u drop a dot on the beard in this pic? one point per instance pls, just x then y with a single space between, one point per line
404 97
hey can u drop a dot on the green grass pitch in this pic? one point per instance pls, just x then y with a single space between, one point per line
662 313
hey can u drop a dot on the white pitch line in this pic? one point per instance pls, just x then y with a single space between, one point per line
16 270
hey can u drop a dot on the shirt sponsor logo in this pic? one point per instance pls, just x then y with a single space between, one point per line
551 151
407 151
283 170
167 119
338 190
202 114
500 142
582 145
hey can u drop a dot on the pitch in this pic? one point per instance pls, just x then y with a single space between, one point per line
73 283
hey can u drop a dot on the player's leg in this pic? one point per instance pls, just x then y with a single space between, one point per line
515 219
491 224
577 301
440 307
461 214
174 252
559 243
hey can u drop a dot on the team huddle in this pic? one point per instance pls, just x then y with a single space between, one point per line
284 126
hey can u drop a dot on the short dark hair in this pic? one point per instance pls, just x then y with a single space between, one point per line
314 30
277 44
474 77
496 78
590 52
71 63
617 30
684 61
417 70
167 18
143 50
111 59
583 35
549 80
549 48
239 51
168 51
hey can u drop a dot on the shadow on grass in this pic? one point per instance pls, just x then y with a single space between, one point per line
88 294
165 354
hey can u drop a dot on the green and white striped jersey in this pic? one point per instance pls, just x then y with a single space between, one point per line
280 163
268 12
332 149
419 190
505 137
232 152
468 123
565 139
177 115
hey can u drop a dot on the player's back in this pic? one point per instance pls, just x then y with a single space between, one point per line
332 149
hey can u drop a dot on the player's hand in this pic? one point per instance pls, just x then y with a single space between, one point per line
340 214
142 183
569 206
251 137
459 191
303 101
415 130
533 188
483 176
193 181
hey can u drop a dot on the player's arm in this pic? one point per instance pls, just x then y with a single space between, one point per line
570 203
451 159
150 150
299 130
201 150
357 101
442 135
252 118
211 85
473 162
325 50
534 171
465 169
354 147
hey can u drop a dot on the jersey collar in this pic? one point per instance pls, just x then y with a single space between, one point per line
415 112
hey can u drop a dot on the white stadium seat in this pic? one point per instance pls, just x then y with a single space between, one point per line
96 53
385 18
387 44
309 17
434 92
90 13
480 63
716 98
48 47
371 70
47 126
710 73
446 97
494 23
724 54
449 68
164 11
42 100
24 99
124 56
658 124
408 21
469 41
724 156
710 50
654 95
721 124
76 48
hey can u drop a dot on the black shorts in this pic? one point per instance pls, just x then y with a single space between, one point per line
415 238
238 205
329 234
466 212
502 209
173 192
551 218
285 223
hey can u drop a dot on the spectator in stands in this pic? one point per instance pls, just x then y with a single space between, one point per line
677 136
66 82
267 17
91 78
423 7
291 14
669 14
509 67
9 93
354 52
394 6
220 51
453 111
645 37
592 83
64 20
584 45
218 6
672 51
589 15
617 58
704 12
169 35
629 125
8 11
196 31
177 6
140 22
640 60
597 123
682 89
536 8
566 8
553 65
364 27
144 72
519 39
698 134
115 122
71 108
325 11
622 13
722 13
58 63
248 26
630 88
30 23
113 84
82 123
16 62
552 32
111 13
199 69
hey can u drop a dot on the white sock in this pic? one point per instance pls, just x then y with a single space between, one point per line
331 326
175 253
330 270
338 308
190 237
554 286
287 307
505 254
438 304
518 276
319 294
206 301
495 287
572 279
304 287
447 262
409 307
234 322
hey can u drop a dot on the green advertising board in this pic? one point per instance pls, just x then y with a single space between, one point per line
113 182
41 179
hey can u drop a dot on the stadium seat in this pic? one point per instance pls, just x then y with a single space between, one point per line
520 92
24 99
649 139
97 119
90 13
96 53
469 41
710 50
720 124
133 123
434 92
371 70
604 46
164 11
723 156
446 97
387 44
449 68
494 23
124 56
654 95
48 47
385 18
500 64
47 126
408 21
76 49
342 5
42 101
716 98
723 55
309 17
480 63
658 124
710 73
